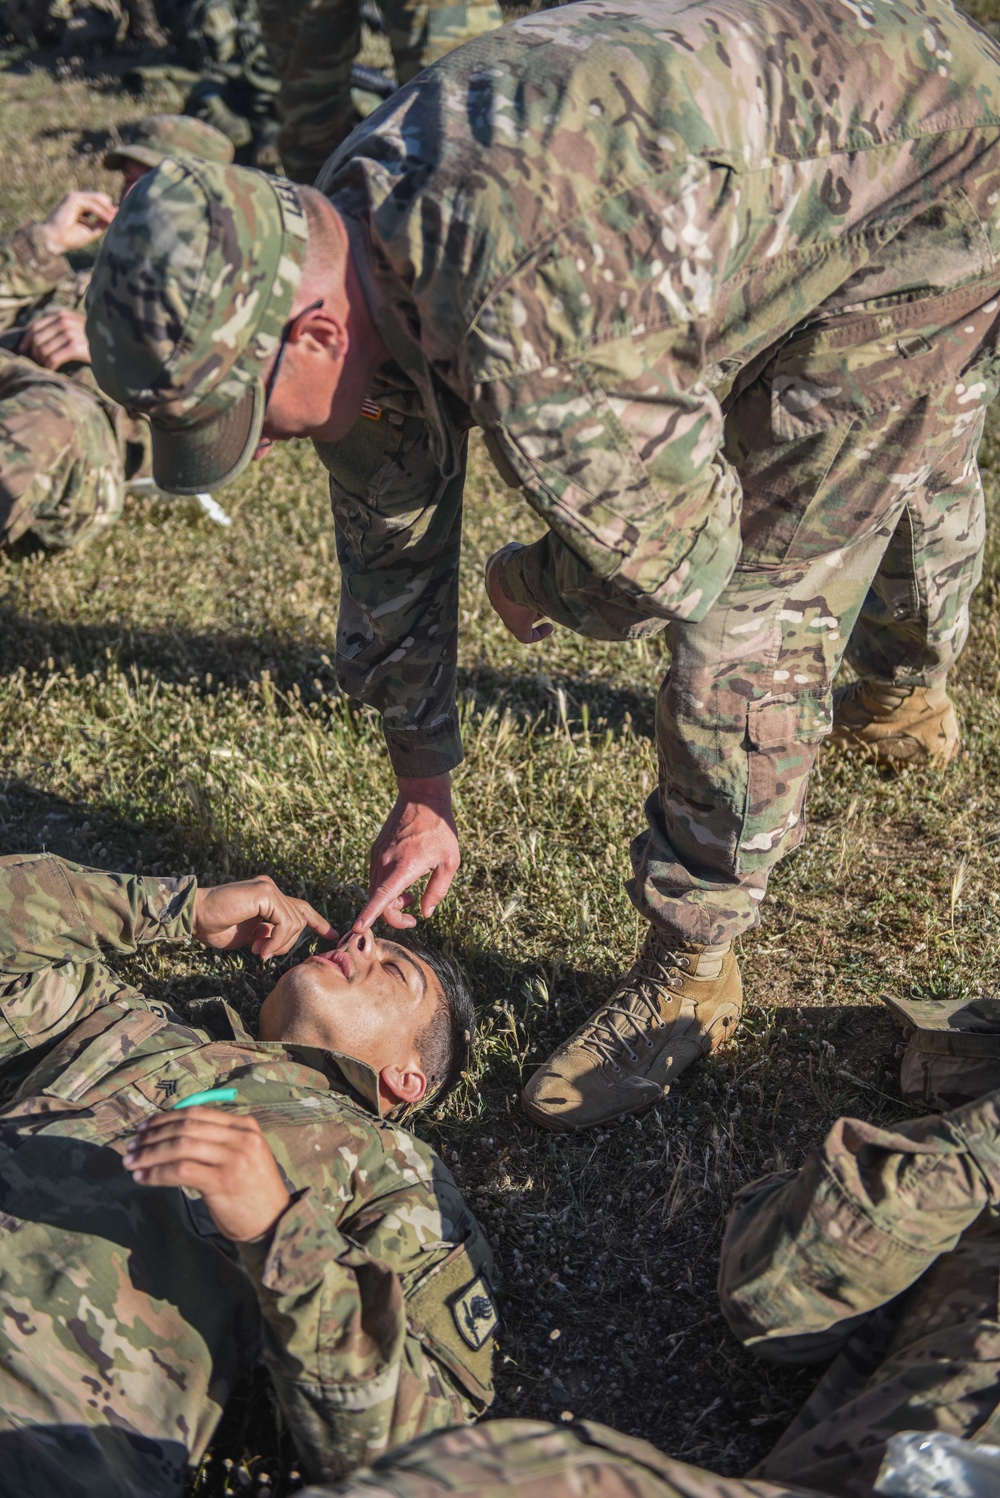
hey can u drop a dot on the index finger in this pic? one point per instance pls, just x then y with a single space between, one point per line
317 922
288 926
382 898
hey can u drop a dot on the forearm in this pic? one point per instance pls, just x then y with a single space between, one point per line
55 911
398 542
28 272
858 1224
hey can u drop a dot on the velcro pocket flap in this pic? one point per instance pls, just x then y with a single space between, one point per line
94 1065
453 1311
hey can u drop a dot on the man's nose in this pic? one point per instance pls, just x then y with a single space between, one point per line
361 942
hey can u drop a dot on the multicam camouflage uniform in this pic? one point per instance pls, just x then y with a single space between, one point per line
64 447
883 1251
727 311
313 44
67 452
127 1316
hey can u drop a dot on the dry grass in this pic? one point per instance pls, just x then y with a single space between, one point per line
167 702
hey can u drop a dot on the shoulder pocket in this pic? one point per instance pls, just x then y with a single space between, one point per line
452 1311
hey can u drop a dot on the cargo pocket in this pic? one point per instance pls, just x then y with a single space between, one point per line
843 402
781 745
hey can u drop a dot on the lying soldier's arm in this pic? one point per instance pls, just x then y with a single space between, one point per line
57 920
377 1314
378 1327
53 912
808 1251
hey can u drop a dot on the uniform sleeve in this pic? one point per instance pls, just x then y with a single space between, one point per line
28 272
53 912
360 1364
625 467
399 531
858 1224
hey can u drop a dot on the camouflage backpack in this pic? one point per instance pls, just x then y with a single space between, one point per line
952 1051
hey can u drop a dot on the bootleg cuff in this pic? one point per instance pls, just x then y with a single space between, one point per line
29 248
416 754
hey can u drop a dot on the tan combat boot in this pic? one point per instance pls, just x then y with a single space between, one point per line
678 1002
896 725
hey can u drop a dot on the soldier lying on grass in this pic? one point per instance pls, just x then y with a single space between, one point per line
883 1253
151 1257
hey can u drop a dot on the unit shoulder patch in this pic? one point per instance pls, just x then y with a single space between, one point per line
474 1313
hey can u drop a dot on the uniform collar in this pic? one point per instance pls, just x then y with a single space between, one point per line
401 336
221 1019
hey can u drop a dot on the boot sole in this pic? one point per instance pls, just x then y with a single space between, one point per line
556 1125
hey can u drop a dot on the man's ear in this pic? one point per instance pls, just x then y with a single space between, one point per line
322 331
402 1084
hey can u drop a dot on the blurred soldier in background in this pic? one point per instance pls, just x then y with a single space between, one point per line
313 45
66 450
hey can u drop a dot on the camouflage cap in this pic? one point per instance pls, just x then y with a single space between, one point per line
158 136
952 1053
189 294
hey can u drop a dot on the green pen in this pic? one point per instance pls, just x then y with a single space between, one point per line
212 1095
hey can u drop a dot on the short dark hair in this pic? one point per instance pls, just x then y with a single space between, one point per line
445 1043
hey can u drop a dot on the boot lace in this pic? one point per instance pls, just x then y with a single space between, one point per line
657 966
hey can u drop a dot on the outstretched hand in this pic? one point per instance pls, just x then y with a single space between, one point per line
525 622
76 221
222 1155
419 837
255 913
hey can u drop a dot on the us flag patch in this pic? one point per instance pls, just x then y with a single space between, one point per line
369 409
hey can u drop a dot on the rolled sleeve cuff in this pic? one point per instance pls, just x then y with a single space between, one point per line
520 576
417 753
294 1258
32 253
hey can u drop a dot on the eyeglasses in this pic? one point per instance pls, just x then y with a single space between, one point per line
286 333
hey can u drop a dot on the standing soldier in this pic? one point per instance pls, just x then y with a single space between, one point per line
313 44
719 284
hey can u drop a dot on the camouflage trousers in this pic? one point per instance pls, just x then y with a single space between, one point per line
863 530
313 44
62 477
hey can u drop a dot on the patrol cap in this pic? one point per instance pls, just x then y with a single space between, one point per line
952 1054
980 1016
193 284
158 136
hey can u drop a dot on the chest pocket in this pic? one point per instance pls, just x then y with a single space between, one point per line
104 1058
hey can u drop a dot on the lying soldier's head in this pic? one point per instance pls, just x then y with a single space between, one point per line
403 1010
